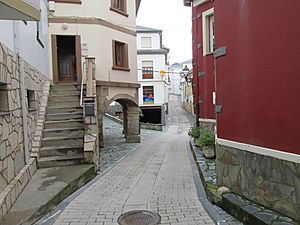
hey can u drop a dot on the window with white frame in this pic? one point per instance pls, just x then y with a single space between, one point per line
208 22
147 69
146 42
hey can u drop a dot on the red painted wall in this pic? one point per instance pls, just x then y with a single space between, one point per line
202 64
258 81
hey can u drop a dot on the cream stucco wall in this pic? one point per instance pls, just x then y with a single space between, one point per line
99 43
98 9
98 38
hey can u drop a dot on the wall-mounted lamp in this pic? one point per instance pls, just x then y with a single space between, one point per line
64 26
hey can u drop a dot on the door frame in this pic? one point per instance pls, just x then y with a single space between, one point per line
55 62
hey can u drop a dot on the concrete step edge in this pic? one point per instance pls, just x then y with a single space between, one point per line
60 147
63 121
61 138
61 158
65 128
64 114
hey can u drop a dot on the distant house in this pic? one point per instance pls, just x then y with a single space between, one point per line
24 74
152 75
251 62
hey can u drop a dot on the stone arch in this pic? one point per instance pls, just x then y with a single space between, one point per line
123 99
130 108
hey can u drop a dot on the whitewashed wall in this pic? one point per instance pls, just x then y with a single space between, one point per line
155 40
25 40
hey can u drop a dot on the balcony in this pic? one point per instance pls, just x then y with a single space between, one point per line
28 10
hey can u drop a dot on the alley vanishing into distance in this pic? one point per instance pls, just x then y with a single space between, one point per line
156 176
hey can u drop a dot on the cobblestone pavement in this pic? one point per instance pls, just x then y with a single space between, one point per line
115 146
156 176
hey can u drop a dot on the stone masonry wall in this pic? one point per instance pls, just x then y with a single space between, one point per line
12 159
265 180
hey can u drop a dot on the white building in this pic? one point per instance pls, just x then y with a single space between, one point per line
104 30
177 80
24 74
152 58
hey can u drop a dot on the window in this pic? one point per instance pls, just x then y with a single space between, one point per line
146 42
208 22
31 100
120 56
4 104
147 69
119 6
211 38
148 95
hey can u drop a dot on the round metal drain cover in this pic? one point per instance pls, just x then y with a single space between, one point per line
139 217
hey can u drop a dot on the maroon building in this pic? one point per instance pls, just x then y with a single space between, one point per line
255 72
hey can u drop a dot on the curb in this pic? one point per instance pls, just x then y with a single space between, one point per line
243 209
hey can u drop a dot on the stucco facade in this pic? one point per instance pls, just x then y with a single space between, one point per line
97 29
256 93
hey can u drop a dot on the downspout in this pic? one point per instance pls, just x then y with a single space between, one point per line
23 93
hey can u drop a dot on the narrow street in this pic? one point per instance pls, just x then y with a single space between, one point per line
156 176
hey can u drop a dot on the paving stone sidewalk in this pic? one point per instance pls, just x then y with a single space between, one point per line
115 146
156 176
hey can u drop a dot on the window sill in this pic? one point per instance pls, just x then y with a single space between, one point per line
121 68
32 109
4 113
119 11
208 54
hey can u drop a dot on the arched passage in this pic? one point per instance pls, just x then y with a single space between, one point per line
130 115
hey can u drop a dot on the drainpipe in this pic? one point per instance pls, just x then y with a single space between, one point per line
23 93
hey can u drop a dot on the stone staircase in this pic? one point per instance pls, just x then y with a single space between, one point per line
62 142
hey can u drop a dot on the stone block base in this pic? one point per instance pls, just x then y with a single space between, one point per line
266 180
207 125
133 139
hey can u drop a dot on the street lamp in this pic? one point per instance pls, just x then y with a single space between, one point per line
185 71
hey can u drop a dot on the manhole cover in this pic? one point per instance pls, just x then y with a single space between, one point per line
139 217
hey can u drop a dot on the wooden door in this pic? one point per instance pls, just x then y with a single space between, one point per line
66 57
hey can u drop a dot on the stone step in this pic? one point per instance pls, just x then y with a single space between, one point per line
64 92
66 87
63 150
64 132
64 124
58 141
52 161
63 98
63 116
54 110
73 103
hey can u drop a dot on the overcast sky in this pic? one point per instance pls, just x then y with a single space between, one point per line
174 19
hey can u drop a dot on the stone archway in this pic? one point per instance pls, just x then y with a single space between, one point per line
106 94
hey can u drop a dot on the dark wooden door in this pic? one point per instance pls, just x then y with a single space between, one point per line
66 58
